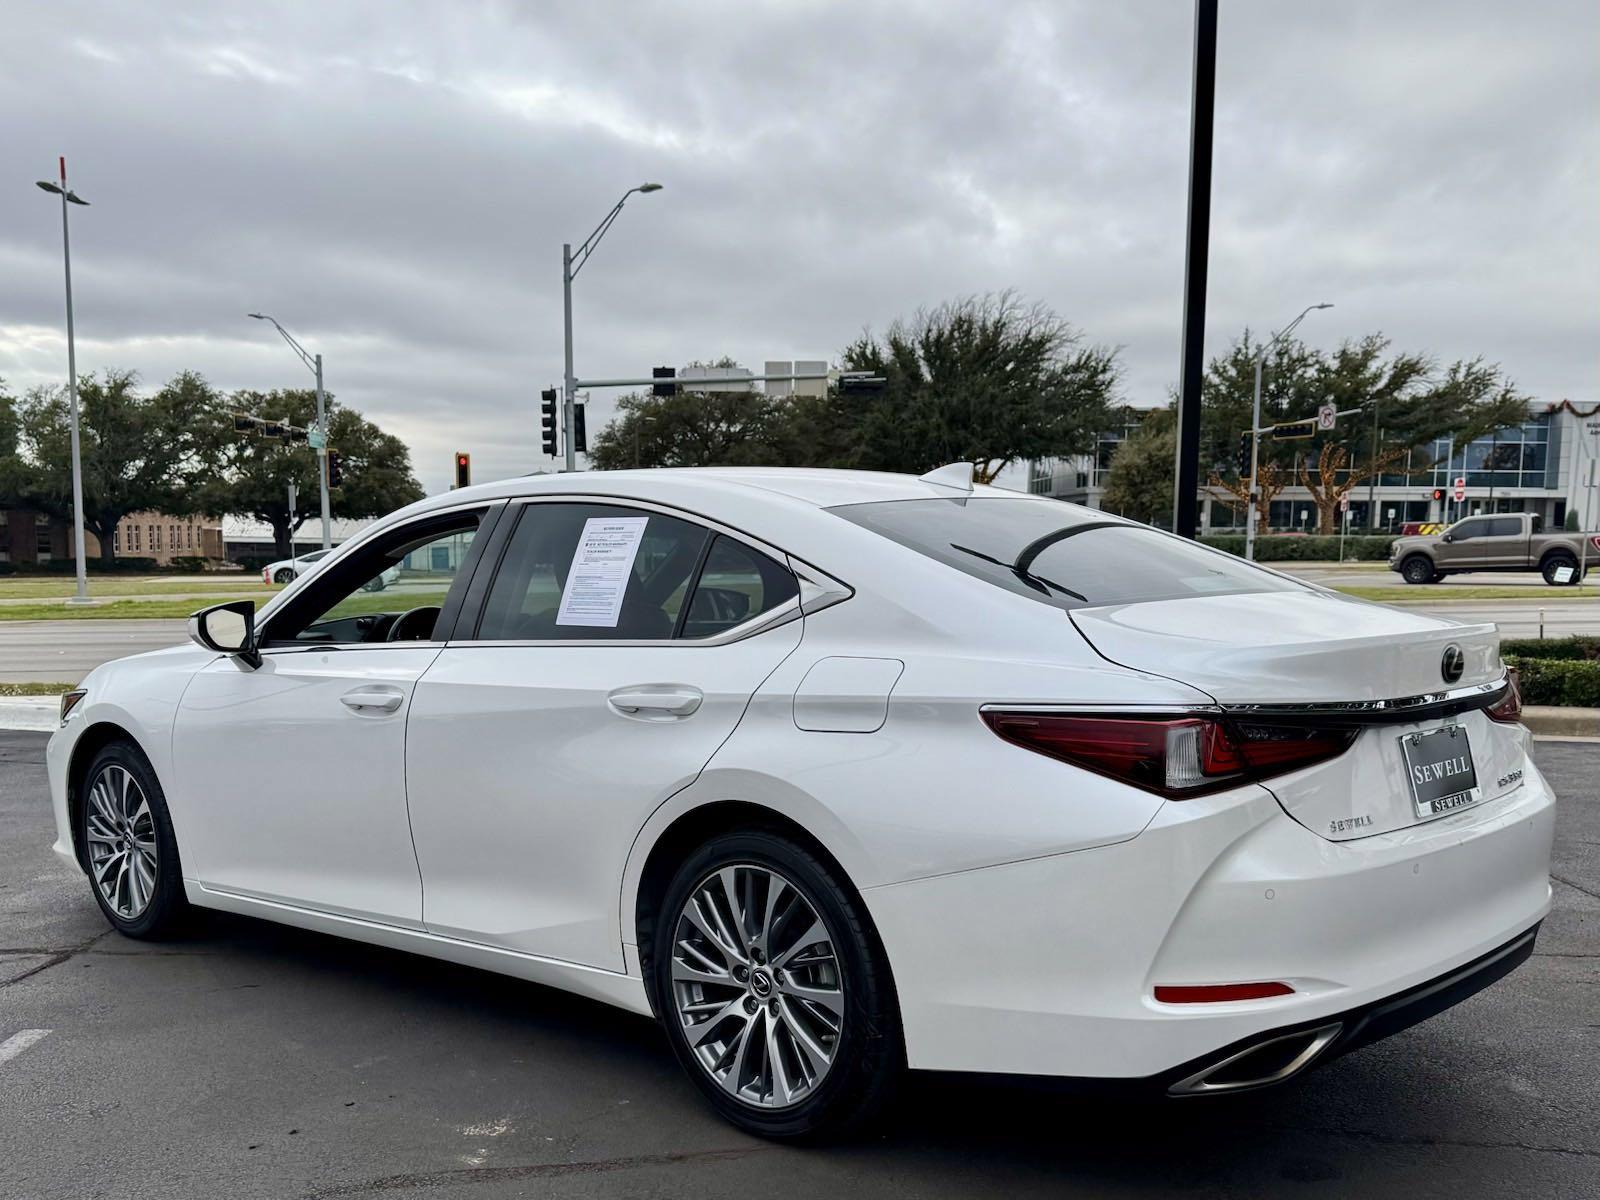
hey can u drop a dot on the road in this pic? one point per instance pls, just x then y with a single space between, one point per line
251 1060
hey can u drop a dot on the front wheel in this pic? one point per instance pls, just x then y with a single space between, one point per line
282 575
1417 569
126 834
774 991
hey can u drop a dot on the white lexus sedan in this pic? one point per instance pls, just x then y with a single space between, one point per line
838 774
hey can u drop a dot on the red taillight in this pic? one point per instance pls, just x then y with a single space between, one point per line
1172 756
1508 709
1219 993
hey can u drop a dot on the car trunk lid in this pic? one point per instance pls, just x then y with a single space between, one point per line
1265 656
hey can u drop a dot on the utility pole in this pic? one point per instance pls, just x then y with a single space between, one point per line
1372 483
1191 367
81 595
1255 428
314 363
571 263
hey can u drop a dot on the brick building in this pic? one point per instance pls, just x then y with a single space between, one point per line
28 537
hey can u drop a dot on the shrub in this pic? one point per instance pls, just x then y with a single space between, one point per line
1559 681
1567 648
1313 548
189 564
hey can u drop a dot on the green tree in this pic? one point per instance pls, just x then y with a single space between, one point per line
987 379
11 466
250 474
1140 482
138 452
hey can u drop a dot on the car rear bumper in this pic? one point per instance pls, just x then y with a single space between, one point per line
1048 966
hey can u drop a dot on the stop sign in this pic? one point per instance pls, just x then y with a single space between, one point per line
1460 490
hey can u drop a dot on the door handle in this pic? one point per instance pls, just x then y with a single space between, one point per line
656 700
380 699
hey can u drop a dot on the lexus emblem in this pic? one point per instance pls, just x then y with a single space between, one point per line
1452 663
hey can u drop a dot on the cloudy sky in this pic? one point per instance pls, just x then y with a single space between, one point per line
394 181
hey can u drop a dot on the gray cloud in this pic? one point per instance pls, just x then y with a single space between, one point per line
393 181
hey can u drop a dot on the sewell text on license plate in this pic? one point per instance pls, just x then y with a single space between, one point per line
1439 770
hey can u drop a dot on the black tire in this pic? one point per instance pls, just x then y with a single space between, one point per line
283 575
1554 563
1418 569
375 584
166 910
868 1056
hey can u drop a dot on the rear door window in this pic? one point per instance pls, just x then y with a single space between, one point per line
736 584
1505 527
585 572
1059 553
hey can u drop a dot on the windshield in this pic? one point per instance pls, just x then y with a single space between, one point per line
1059 553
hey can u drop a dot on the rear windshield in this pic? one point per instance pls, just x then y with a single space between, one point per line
1059 553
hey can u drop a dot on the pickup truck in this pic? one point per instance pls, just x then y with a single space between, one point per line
1495 542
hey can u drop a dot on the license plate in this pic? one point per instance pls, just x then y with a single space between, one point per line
1440 771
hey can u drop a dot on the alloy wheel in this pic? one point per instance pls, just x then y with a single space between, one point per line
757 986
123 857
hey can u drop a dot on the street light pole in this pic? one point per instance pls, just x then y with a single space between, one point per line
313 363
81 595
1255 429
571 263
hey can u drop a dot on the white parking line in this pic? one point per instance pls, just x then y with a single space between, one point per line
18 1042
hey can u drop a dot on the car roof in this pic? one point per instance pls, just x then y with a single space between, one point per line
822 487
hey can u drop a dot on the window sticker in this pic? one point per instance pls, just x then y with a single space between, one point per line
602 567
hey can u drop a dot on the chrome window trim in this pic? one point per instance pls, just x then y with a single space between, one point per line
816 589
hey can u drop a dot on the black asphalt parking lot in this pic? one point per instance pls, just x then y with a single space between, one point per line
253 1060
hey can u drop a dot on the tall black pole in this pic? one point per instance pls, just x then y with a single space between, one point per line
1192 366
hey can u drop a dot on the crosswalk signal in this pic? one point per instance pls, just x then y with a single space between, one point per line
1438 493
335 469
463 469
547 420
664 391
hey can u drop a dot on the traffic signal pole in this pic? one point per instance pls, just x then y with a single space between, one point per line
569 386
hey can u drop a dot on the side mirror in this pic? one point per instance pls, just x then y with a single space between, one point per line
1449 537
228 629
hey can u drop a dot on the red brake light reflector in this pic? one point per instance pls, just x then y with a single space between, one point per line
1219 993
1174 756
1508 709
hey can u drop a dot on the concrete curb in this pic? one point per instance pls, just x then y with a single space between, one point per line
1549 721
42 713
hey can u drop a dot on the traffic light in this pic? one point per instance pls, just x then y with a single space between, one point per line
580 436
1242 459
664 390
547 420
243 423
1438 493
1294 429
270 428
335 469
463 469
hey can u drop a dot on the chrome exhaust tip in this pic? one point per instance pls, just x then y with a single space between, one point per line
1261 1064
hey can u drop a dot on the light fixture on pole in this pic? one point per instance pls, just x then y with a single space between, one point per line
313 363
81 595
1255 429
571 263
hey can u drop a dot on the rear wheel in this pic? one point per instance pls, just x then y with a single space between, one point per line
1417 569
1554 565
126 834
773 989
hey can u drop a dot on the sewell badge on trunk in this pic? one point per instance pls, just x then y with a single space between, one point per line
1440 771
